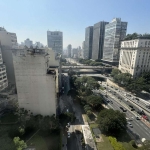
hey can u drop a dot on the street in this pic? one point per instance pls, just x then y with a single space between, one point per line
139 130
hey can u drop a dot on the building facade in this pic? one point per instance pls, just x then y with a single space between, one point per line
36 74
88 42
135 56
28 43
74 53
8 41
69 48
3 75
55 41
115 32
98 40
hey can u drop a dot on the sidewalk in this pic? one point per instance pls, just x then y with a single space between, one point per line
64 142
89 141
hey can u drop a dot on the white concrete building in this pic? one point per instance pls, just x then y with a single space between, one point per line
36 74
3 75
135 56
8 41
28 43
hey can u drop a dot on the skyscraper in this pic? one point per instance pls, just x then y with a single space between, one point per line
55 41
115 32
88 42
69 50
98 40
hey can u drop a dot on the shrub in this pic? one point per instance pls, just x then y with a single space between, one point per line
132 142
116 145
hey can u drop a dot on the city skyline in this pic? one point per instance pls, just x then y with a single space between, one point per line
69 17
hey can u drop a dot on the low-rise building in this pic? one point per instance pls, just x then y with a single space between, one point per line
135 56
36 73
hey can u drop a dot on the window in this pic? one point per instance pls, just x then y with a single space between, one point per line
146 43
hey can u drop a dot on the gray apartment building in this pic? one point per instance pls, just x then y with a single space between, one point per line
69 48
88 42
55 41
98 40
115 32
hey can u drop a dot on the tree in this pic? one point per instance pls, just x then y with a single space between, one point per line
21 130
146 145
20 144
87 107
111 122
94 101
49 123
115 72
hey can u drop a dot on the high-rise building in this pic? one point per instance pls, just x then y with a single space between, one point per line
69 48
79 52
88 42
98 40
74 53
8 41
28 43
55 41
135 56
36 73
115 32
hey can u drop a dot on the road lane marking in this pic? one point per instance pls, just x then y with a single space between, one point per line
146 128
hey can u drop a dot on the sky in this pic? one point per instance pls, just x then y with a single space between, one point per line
32 18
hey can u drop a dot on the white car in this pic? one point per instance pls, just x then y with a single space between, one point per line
68 124
68 134
129 123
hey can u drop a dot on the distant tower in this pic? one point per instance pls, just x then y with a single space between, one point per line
55 41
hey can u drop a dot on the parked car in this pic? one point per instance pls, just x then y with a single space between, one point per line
68 124
68 134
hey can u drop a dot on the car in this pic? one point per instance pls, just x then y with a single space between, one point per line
129 119
68 134
145 117
123 109
109 90
68 124
111 102
129 123
147 106
108 100
126 100
137 117
131 107
137 99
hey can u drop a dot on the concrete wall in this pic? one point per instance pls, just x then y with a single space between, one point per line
36 89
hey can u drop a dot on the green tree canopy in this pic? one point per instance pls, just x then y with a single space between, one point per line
94 101
20 144
111 122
